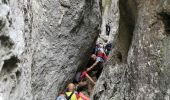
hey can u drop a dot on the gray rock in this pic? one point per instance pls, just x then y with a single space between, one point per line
42 44
139 65
63 40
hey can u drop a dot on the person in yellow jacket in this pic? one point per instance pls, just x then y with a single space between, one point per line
71 94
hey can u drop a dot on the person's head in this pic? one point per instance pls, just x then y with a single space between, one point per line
100 45
71 87
93 57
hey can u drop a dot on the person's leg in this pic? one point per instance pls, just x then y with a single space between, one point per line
87 85
83 83
90 88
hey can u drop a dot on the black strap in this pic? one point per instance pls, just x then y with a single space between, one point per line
69 97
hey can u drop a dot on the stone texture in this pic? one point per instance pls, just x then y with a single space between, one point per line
64 37
139 65
110 16
15 53
42 44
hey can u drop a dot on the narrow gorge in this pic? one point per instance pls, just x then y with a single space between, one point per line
43 43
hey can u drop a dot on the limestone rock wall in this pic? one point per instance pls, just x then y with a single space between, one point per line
139 65
42 43
65 32
15 50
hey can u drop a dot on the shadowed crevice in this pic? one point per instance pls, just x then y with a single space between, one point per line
6 42
10 64
165 17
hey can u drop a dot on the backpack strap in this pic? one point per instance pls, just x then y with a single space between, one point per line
69 97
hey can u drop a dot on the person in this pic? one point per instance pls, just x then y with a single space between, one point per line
99 48
70 93
98 62
107 29
100 52
108 48
85 74
82 79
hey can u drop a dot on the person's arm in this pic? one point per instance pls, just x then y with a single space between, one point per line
88 69
90 79
83 96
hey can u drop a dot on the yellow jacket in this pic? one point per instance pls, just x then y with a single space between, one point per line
73 97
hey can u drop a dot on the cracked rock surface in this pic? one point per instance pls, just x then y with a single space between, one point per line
138 68
42 43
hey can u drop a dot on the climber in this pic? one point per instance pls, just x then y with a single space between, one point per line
70 94
98 62
99 47
82 79
107 29
108 48
99 52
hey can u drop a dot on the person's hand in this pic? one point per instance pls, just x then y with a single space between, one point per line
88 69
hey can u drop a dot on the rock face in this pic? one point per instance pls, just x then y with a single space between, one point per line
64 36
139 65
42 44
110 17
15 50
